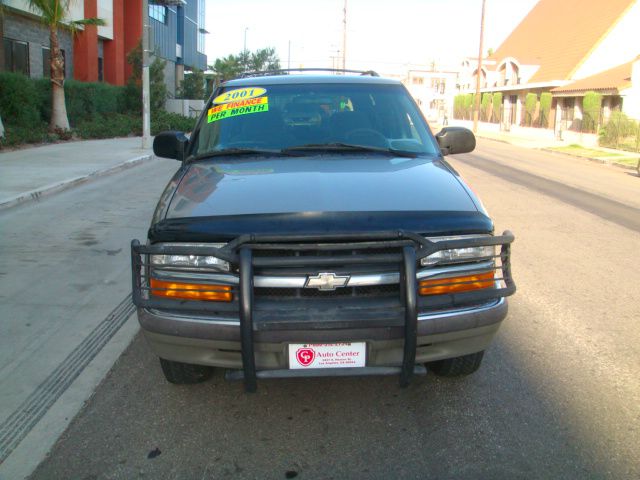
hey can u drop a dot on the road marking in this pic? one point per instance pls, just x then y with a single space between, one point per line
29 413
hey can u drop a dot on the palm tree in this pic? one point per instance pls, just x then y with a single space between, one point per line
54 14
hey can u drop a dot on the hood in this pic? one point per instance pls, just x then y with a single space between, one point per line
319 183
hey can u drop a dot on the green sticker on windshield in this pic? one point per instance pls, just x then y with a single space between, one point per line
241 107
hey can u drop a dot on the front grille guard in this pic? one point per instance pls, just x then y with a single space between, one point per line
411 248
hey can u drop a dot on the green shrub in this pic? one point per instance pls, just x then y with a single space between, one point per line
132 100
545 109
468 106
192 87
486 107
162 121
18 135
458 107
43 93
18 100
620 132
110 126
530 102
86 100
591 105
497 107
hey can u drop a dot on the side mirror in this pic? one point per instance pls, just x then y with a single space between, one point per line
170 145
456 140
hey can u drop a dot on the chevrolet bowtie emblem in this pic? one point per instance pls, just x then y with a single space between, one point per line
327 281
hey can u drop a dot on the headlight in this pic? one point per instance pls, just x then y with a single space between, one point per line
458 255
195 262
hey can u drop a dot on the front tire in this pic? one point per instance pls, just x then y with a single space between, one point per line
184 373
457 366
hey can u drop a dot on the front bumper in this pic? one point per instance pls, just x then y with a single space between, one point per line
252 332
216 341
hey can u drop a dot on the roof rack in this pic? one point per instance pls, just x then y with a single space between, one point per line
286 71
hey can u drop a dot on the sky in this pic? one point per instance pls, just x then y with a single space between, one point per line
383 35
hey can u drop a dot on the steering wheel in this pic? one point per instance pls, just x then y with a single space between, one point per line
367 137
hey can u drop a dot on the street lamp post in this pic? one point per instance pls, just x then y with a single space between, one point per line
244 49
344 36
476 107
146 101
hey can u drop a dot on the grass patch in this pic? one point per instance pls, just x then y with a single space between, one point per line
585 152
627 161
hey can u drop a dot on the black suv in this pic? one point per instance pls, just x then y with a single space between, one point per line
314 228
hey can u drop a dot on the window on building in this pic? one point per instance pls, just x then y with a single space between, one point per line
100 69
417 80
201 27
46 62
158 12
16 56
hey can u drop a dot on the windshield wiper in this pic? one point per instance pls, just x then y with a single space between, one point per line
348 147
242 151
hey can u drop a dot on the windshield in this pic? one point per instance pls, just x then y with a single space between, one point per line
338 116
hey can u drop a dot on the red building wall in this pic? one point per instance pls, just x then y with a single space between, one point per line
114 50
132 29
85 47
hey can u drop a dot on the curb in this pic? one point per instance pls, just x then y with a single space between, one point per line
591 159
35 195
554 152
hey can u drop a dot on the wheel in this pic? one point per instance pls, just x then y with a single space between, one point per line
457 366
184 373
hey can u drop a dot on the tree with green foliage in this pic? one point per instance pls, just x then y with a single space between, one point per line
545 109
497 107
485 107
530 103
591 105
54 14
233 65
157 87
192 87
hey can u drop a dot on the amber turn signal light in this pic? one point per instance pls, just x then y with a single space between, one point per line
191 291
466 283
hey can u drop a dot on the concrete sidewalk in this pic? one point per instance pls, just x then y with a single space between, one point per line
543 139
31 173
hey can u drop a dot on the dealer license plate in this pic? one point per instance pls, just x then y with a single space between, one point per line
327 355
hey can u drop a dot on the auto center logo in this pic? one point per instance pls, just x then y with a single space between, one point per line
305 356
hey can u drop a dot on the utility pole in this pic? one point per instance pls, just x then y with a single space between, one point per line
146 103
476 107
344 37
244 49
289 56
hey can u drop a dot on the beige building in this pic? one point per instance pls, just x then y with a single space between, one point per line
567 48
433 90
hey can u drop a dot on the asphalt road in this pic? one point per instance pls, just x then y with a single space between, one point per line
558 395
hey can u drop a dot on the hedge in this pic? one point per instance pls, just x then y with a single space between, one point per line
545 109
591 105
486 107
95 110
497 107
530 102
18 101
25 101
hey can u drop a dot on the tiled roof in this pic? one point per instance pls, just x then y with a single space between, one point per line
615 79
559 35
